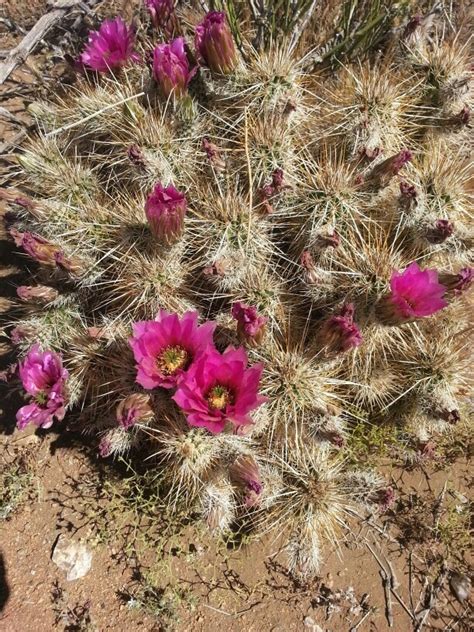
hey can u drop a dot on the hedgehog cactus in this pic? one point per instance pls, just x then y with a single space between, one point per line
237 251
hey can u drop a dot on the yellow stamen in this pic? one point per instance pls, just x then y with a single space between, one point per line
172 359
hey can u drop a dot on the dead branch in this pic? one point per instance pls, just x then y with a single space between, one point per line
19 54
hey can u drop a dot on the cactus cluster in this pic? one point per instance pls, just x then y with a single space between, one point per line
238 252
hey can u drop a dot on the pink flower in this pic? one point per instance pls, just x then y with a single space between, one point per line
165 209
43 377
219 388
171 68
214 43
250 326
415 293
166 348
163 15
339 333
109 48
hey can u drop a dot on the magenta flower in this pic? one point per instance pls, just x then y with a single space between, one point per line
339 333
43 377
167 347
219 388
165 209
163 15
171 68
214 43
250 326
415 293
109 48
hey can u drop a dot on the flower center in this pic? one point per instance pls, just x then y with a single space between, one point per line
41 398
219 396
173 359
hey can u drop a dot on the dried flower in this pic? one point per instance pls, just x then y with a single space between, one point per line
414 293
339 333
163 16
43 377
37 247
408 196
171 68
133 409
245 473
37 294
386 170
442 230
250 326
109 48
214 43
457 284
165 209
213 154
135 155
166 348
219 388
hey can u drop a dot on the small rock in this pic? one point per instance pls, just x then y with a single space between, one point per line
72 557
460 585
311 625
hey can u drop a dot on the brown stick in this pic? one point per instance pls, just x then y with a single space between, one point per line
19 54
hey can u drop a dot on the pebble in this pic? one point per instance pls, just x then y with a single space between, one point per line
72 557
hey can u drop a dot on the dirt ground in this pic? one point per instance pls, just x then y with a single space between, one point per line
141 581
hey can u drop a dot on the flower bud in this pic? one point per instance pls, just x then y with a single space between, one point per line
408 196
339 333
171 68
163 16
250 326
214 43
213 154
244 472
133 409
457 284
442 230
165 210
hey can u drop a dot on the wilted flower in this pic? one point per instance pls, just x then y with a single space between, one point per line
171 68
37 293
245 473
165 209
250 326
133 409
384 498
213 154
167 347
442 230
408 195
386 170
219 388
339 333
457 283
135 155
43 377
37 247
414 293
109 48
163 16
214 43
44 252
